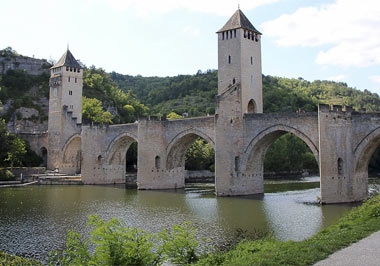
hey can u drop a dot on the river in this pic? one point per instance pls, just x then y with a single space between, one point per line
34 220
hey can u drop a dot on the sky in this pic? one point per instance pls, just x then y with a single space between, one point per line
314 39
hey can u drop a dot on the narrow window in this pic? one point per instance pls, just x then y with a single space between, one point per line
251 60
75 70
251 107
157 162
70 92
75 80
340 166
245 34
231 34
234 33
226 35
222 35
71 70
69 79
237 164
78 70
233 81
67 68
229 59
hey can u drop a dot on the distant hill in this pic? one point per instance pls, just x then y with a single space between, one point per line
195 94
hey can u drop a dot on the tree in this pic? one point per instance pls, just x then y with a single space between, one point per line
200 156
92 111
173 115
16 150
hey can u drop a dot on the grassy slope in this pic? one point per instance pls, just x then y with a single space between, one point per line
359 223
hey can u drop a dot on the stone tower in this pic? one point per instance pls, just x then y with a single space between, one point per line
239 61
239 92
65 106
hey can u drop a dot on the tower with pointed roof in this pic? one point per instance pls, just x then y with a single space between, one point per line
65 105
239 61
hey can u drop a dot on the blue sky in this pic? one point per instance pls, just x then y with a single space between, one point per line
327 39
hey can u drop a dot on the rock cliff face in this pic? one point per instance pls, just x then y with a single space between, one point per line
26 119
32 66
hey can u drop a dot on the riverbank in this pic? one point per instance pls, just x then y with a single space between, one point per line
358 224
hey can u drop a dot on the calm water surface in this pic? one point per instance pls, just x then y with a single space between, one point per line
34 220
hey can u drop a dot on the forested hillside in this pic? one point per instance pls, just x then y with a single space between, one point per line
195 94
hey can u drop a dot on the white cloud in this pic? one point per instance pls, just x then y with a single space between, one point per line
337 78
192 31
221 7
375 78
350 28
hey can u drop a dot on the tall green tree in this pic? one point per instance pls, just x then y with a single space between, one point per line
16 149
92 111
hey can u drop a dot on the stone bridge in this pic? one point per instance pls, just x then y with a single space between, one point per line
342 142
161 150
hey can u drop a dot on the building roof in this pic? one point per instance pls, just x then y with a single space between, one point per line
239 20
67 59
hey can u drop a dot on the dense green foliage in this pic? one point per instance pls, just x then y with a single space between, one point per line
173 115
16 85
92 111
11 260
126 108
194 95
359 223
200 156
289 153
15 151
117 244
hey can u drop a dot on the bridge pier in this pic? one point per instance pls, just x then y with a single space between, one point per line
336 158
152 172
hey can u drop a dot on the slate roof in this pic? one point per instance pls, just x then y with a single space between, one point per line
238 20
67 59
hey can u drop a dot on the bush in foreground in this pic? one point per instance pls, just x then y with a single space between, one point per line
113 243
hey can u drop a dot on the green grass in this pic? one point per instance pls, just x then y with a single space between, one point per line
7 259
359 223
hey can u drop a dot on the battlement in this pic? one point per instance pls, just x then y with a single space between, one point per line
335 108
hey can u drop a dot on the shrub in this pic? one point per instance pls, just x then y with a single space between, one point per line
114 243
6 175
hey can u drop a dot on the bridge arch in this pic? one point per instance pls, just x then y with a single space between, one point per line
363 153
177 147
71 161
118 147
254 154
